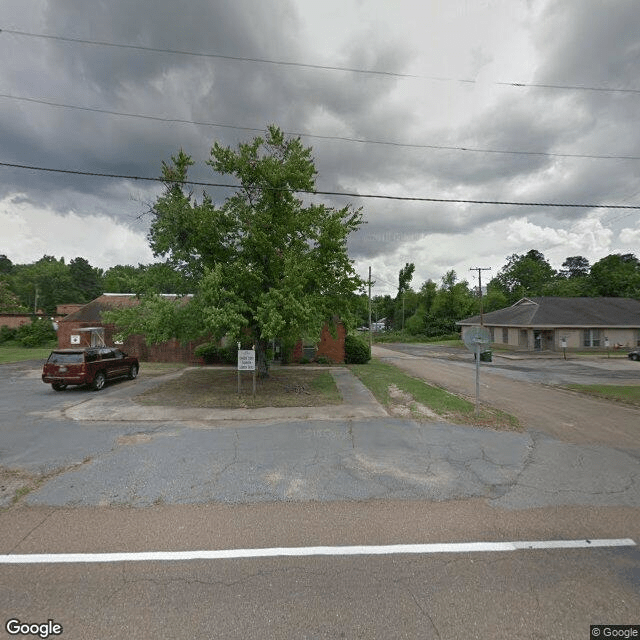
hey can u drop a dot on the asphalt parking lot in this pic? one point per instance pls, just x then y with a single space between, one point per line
90 480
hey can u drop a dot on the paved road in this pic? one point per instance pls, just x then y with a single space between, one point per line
104 483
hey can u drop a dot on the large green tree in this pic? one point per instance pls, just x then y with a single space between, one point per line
87 280
526 274
44 284
616 275
267 264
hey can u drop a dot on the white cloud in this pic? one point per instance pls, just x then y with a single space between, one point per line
631 237
30 232
586 237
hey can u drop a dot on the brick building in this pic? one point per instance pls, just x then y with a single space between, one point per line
85 327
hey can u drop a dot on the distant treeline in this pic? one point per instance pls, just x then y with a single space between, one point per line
42 285
431 310
434 308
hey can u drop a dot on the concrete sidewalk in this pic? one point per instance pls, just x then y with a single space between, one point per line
118 405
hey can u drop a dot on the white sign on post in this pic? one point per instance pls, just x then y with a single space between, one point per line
246 360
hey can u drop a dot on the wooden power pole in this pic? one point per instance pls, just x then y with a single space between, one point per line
480 270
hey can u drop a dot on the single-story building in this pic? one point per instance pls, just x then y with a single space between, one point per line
85 327
16 320
552 323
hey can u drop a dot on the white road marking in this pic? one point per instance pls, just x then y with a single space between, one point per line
364 550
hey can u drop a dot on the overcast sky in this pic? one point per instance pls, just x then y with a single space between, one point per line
463 55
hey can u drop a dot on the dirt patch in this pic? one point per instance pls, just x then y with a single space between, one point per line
403 405
14 485
218 388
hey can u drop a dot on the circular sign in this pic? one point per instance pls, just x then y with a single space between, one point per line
475 336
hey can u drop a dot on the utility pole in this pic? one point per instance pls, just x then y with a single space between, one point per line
480 270
370 336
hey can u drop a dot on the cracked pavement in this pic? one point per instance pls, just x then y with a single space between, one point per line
86 476
80 449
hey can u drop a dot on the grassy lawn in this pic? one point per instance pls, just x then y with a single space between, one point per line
628 394
14 352
382 379
160 368
218 388
400 336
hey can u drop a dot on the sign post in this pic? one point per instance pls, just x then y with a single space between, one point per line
478 343
474 339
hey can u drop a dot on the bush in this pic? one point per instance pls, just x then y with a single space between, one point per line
40 332
356 351
213 353
7 334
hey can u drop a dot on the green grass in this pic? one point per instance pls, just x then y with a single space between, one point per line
15 352
213 387
403 336
378 376
160 368
628 394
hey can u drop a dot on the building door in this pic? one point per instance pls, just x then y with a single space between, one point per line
523 340
537 340
547 340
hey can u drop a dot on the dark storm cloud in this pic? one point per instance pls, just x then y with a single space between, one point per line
585 42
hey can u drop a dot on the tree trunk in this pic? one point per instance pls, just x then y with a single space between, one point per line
262 365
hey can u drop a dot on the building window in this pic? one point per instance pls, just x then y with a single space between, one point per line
505 335
491 331
592 337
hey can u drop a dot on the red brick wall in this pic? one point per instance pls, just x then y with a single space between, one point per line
328 347
14 320
170 351
66 309
173 351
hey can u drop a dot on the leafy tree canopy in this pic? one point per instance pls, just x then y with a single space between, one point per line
405 276
616 275
266 264
575 267
524 275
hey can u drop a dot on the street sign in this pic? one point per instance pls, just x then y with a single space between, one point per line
246 360
476 336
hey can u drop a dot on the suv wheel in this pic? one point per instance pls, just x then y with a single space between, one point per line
98 381
58 386
133 372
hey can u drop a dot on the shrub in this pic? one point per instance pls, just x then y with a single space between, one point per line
323 360
213 353
7 334
36 334
356 351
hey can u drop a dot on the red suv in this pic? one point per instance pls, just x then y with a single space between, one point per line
94 366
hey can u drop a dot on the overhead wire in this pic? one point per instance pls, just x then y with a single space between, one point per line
304 65
392 143
347 194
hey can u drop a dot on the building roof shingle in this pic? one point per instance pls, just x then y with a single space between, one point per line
564 312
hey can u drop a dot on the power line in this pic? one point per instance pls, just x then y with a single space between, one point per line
332 193
303 65
391 143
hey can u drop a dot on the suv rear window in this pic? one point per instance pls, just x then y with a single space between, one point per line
66 358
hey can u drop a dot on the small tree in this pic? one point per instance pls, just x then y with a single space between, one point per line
266 264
